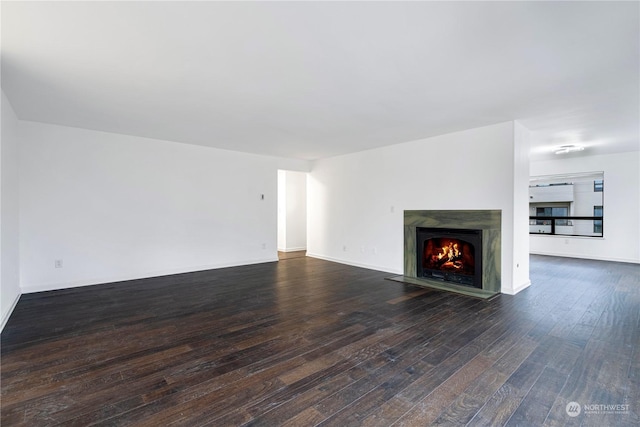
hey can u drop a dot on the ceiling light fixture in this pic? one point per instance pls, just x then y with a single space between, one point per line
564 149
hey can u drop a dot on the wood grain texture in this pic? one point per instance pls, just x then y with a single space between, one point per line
306 342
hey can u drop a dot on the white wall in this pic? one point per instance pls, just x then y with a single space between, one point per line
521 163
9 219
356 202
115 207
621 225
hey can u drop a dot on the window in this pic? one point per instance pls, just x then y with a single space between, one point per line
575 200
552 211
597 223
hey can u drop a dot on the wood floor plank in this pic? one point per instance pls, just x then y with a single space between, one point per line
307 342
535 406
465 406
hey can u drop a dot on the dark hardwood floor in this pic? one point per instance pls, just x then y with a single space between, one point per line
308 342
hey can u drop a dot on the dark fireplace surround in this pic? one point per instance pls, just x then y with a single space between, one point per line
431 257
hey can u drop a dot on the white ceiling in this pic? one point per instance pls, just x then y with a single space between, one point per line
311 80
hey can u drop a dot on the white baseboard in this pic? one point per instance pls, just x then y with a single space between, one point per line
517 289
5 318
580 256
304 248
355 264
103 280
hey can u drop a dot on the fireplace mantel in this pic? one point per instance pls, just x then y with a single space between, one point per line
489 221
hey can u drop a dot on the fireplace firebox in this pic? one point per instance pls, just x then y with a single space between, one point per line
449 254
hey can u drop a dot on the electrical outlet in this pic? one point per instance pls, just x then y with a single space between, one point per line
58 263
264 246
344 248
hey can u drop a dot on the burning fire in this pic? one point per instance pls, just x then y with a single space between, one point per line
450 256
451 252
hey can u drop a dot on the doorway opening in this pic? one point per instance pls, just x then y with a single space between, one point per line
292 214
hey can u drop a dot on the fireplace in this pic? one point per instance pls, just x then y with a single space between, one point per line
475 265
449 254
